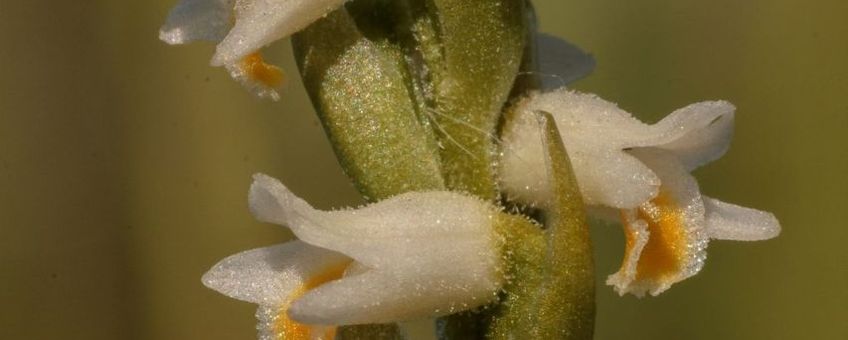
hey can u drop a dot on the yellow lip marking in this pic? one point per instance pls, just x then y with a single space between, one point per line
663 257
288 329
256 69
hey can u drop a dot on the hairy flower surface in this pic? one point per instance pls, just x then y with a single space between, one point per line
641 170
242 28
416 255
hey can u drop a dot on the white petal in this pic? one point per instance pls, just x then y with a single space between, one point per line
677 237
390 296
269 276
727 221
614 179
270 201
560 62
586 119
395 232
192 20
261 22
697 134
594 133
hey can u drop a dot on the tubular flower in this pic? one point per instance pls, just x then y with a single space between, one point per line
413 256
642 171
242 28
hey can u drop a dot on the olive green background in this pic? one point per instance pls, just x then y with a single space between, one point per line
124 165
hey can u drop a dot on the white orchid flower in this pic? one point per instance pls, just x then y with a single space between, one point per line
413 256
255 24
642 170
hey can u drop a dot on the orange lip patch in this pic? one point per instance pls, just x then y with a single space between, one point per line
663 256
256 69
657 252
288 329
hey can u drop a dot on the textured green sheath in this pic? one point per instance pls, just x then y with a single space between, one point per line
360 87
557 298
472 50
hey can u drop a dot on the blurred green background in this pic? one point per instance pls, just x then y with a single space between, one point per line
124 165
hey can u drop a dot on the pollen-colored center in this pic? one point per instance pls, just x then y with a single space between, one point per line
665 253
257 70
288 329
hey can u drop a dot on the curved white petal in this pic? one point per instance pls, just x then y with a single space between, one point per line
614 179
595 133
397 295
727 221
261 22
390 233
676 233
434 248
587 120
561 62
697 134
192 20
270 276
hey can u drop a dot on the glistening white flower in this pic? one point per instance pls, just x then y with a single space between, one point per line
642 170
255 24
413 256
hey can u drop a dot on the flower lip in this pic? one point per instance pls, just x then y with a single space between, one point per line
667 237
